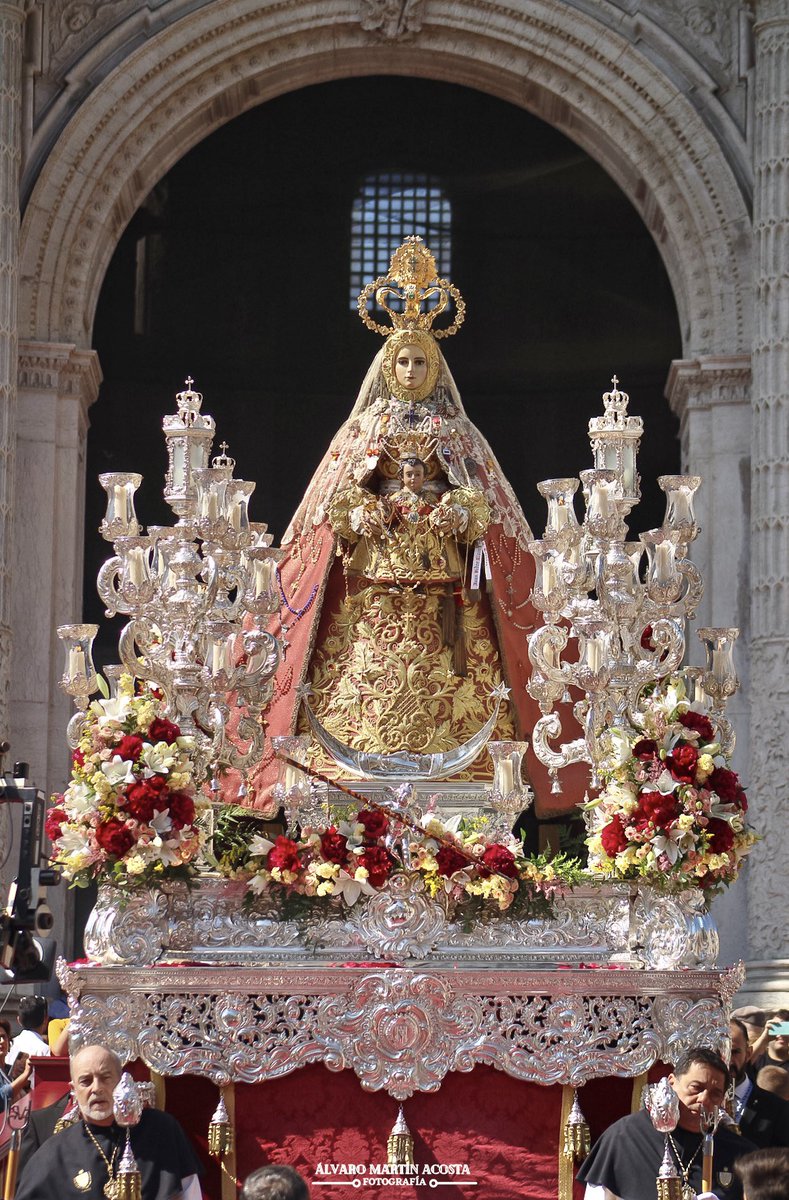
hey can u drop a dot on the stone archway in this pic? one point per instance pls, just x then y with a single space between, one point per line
588 81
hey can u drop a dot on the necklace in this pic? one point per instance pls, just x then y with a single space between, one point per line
687 1191
111 1186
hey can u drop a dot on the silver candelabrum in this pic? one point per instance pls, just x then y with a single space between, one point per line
621 622
196 595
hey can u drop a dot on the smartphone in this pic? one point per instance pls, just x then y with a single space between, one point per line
779 1028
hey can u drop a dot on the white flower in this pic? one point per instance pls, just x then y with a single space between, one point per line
166 852
112 711
258 883
79 799
118 770
71 841
618 745
157 760
160 821
671 844
353 831
260 846
351 889
665 784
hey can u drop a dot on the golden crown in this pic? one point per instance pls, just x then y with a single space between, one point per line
413 279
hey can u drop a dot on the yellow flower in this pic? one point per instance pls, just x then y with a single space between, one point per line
135 865
704 767
686 821
325 889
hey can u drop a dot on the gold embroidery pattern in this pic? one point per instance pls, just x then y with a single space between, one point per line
383 678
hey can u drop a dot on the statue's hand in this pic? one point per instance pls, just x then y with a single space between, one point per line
372 519
449 518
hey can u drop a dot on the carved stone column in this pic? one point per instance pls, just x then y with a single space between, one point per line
769 778
711 397
11 23
57 384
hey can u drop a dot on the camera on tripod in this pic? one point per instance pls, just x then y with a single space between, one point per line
27 921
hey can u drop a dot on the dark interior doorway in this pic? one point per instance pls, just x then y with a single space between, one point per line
236 271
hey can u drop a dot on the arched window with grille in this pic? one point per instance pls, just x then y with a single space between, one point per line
389 208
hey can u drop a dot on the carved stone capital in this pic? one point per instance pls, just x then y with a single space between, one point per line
708 381
59 367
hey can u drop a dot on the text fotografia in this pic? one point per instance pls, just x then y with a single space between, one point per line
368 1175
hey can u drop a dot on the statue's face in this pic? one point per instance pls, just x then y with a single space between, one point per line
413 477
411 367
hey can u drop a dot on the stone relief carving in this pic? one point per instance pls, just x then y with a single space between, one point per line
394 20
71 26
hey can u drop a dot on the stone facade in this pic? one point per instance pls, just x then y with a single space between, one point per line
683 104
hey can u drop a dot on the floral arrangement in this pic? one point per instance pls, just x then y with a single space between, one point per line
671 812
355 857
130 812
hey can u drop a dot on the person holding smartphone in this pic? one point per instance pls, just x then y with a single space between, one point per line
772 1048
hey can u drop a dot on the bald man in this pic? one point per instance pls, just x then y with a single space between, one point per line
83 1160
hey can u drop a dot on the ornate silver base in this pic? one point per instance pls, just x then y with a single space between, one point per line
400 1029
595 925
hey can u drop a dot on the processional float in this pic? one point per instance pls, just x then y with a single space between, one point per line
396 681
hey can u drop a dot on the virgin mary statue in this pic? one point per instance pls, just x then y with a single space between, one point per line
405 577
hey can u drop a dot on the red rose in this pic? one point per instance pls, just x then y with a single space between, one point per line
645 749
450 860
78 758
162 730
54 820
376 824
182 809
721 836
284 854
699 723
500 861
613 837
157 783
334 847
129 747
141 800
114 837
682 762
725 783
378 863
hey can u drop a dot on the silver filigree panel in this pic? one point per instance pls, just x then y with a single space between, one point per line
399 1030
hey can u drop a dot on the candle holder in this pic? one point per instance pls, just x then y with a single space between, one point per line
194 594
79 675
509 796
720 679
616 633
120 519
292 789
